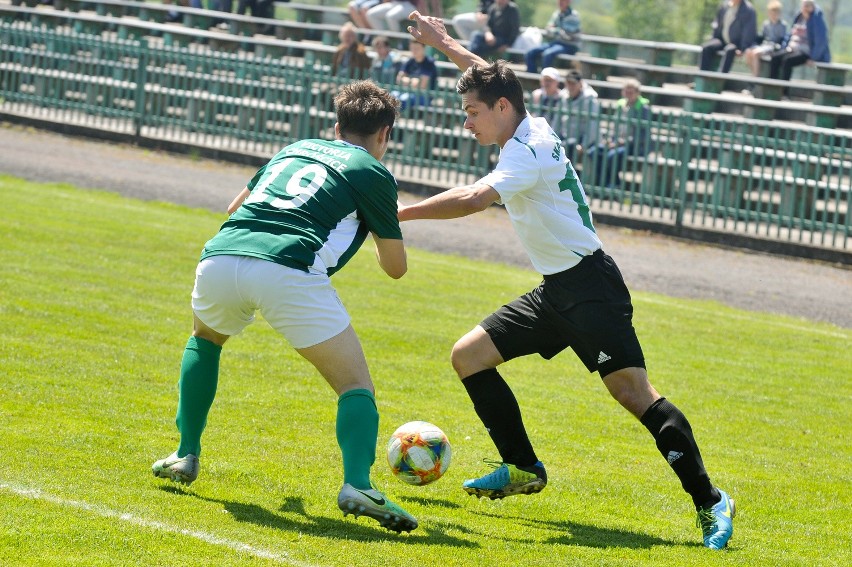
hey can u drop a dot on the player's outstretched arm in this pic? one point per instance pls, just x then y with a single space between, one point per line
451 204
431 31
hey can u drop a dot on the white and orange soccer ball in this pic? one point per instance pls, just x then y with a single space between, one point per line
419 453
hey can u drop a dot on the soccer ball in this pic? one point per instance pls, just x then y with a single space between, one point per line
419 453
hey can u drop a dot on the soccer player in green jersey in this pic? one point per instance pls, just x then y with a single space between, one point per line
300 219
582 302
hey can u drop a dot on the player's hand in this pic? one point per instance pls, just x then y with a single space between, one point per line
427 29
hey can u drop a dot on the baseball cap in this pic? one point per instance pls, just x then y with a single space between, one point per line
551 73
573 75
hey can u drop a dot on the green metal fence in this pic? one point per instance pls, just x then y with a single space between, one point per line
764 179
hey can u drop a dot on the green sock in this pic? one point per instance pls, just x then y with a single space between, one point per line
357 432
199 376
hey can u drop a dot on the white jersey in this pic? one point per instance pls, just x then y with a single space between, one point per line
544 198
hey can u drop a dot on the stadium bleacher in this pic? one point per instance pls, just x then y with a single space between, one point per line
320 23
224 84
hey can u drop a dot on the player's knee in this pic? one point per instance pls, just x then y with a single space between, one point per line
631 389
460 357
466 358
624 395
203 331
474 352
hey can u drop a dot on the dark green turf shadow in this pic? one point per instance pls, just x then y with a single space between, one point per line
429 501
293 517
583 535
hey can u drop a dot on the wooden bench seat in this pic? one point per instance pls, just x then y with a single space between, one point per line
795 163
777 194
832 73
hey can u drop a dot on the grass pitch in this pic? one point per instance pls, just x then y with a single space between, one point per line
94 305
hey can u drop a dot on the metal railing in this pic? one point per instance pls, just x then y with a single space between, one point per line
763 179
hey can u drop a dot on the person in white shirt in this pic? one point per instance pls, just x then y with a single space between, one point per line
582 302
548 100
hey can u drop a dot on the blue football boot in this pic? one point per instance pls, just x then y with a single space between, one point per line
717 522
507 480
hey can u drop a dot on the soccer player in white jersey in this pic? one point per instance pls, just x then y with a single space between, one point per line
582 302
298 221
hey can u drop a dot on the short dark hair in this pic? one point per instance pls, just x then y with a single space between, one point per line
493 82
364 108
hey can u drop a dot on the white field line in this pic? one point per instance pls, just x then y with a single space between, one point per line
104 512
744 317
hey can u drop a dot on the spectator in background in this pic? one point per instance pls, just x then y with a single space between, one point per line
418 74
561 35
226 6
386 64
259 9
358 11
581 120
548 100
468 22
631 136
501 29
350 59
173 16
807 41
734 31
773 34
390 14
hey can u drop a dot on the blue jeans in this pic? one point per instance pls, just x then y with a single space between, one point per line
479 47
606 164
259 8
549 52
409 100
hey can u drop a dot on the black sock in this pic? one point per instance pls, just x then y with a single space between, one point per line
675 441
496 406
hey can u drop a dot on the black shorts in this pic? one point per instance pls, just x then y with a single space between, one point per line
586 307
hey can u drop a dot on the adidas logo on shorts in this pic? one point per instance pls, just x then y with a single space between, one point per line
603 357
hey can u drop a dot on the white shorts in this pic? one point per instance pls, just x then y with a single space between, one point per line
302 306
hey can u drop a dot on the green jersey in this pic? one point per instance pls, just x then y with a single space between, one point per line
311 207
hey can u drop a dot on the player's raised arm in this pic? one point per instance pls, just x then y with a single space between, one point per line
431 31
